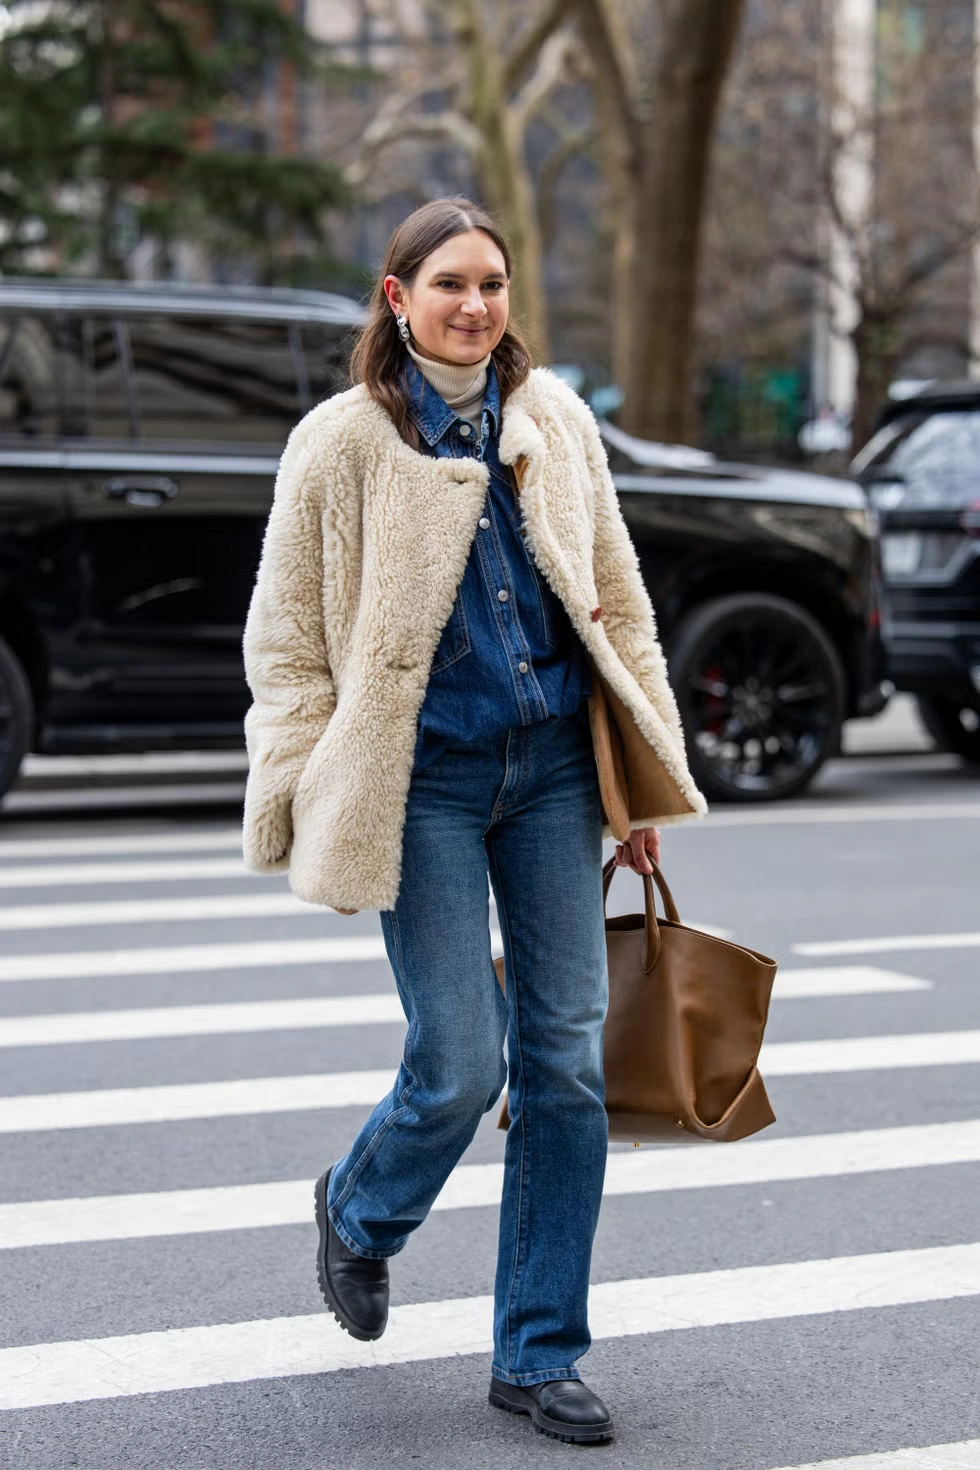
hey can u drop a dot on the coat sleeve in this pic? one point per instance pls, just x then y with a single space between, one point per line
286 662
627 613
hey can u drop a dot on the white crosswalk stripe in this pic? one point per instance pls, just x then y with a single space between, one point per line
155 911
653 1171
240 1352
870 1053
76 875
176 1103
190 958
346 1010
787 815
965 1455
888 943
31 1113
27 849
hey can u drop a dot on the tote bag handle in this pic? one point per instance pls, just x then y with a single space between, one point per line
652 927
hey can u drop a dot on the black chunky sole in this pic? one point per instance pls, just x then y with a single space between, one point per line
323 1224
516 1400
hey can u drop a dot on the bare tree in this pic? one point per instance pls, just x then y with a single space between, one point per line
475 76
657 123
782 186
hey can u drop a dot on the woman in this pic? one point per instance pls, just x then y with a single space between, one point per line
420 648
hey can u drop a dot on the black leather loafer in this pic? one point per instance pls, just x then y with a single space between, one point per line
353 1287
562 1407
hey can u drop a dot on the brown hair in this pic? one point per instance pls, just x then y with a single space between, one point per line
379 358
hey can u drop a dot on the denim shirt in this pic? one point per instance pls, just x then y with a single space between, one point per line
508 656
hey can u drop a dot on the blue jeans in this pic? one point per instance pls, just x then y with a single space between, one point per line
524 805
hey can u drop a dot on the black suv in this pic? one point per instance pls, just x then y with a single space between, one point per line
140 429
767 587
921 470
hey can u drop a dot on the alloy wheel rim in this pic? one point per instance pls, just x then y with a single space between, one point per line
760 700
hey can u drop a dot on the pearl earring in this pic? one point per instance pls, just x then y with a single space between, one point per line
403 330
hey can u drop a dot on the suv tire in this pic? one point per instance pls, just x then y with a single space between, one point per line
16 716
761 692
943 718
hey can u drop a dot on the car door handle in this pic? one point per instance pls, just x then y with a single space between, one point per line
145 490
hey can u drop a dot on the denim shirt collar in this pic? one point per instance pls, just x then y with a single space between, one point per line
431 413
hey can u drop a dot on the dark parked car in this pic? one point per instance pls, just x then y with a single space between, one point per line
921 470
140 429
767 588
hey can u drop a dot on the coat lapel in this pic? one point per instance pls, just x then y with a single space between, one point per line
420 518
552 503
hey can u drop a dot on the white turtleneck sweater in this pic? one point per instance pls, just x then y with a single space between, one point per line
461 385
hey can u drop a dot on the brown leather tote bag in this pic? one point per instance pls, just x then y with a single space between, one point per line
687 1012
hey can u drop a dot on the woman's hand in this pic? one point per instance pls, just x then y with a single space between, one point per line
634 854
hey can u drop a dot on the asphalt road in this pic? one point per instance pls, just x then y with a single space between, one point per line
181 1054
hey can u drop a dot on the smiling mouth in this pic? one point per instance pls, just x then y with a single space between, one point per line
471 331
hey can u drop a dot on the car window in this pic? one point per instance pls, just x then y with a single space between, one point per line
326 352
214 381
28 379
937 456
96 379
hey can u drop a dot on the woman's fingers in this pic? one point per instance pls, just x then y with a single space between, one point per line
638 850
644 843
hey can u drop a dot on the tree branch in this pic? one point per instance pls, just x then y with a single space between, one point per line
574 142
611 65
547 75
545 23
386 130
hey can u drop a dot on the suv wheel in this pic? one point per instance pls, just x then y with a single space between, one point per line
16 716
761 693
953 724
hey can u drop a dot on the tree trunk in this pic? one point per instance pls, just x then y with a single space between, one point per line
877 346
505 180
507 188
695 48
602 26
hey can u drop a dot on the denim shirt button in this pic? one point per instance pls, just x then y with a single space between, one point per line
484 524
522 666
465 430
502 595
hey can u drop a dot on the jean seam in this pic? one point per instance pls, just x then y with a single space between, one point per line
521 1120
464 649
368 1153
549 640
412 1032
500 802
403 1097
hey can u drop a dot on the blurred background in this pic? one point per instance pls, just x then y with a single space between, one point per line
746 232
741 218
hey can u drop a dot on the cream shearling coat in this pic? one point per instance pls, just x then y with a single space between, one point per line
365 547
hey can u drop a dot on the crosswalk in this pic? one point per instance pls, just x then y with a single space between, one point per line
239 1352
146 1022
471 1186
857 1025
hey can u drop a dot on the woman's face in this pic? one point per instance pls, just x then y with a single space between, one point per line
457 306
